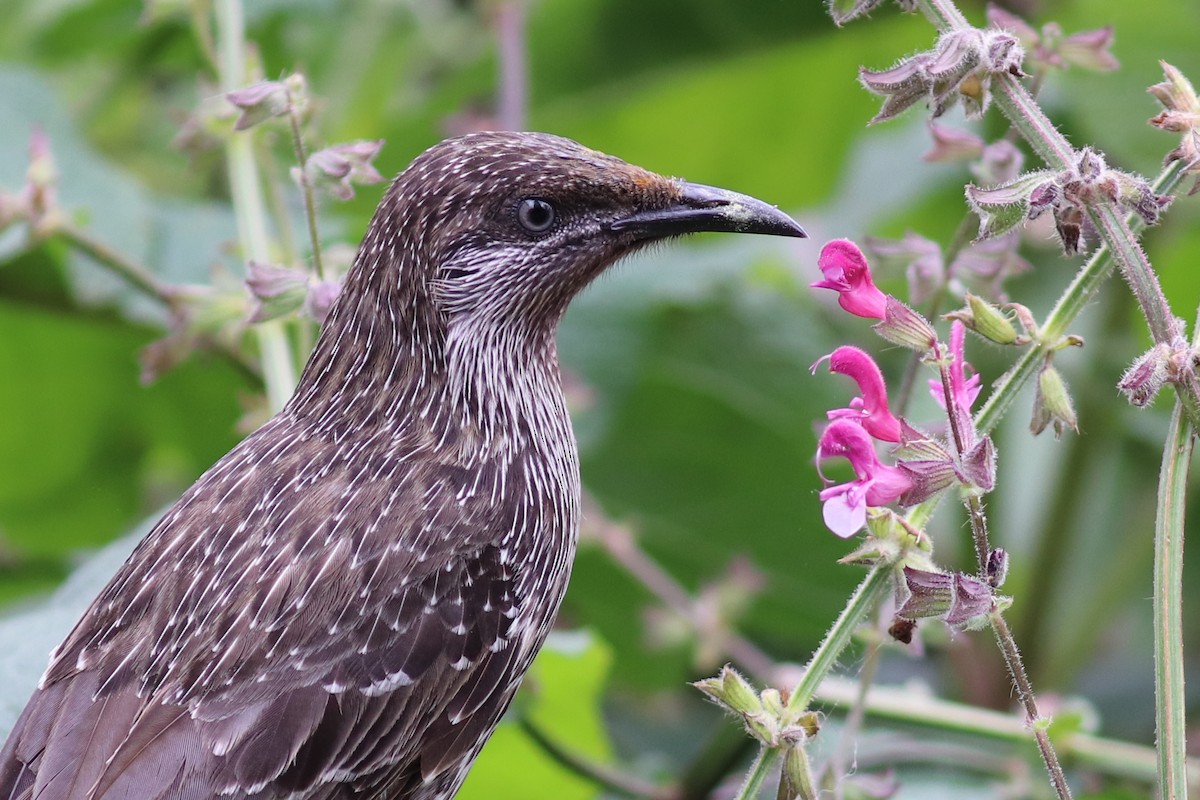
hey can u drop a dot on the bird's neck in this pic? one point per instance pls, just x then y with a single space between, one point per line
396 366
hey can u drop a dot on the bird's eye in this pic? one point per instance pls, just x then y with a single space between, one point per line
535 214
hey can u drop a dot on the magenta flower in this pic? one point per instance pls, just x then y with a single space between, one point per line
846 272
875 483
871 409
963 390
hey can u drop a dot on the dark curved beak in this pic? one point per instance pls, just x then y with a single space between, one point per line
706 208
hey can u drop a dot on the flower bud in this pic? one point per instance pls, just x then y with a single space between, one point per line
959 600
339 167
903 326
276 290
731 690
1052 404
997 567
985 319
259 102
1143 380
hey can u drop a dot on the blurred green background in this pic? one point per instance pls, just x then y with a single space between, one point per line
696 411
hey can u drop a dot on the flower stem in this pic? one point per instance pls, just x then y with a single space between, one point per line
1170 722
1072 302
310 201
279 370
608 777
900 704
1016 669
838 638
130 271
764 762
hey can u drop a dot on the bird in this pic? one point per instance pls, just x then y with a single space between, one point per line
344 605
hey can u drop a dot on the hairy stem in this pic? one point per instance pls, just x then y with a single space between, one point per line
133 273
144 281
1016 669
1072 302
279 371
306 188
1170 721
764 762
901 704
840 634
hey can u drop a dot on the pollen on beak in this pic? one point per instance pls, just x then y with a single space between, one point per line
698 208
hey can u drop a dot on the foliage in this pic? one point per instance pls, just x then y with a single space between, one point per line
694 406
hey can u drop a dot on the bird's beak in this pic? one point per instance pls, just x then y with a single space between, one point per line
699 208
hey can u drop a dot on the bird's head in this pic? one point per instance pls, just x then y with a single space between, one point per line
480 244
505 228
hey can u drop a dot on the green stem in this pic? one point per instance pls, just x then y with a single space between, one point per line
1072 302
839 636
130 271
279 372
144 281
764 762
900 704
1168 609
310 201
1016 670
614 779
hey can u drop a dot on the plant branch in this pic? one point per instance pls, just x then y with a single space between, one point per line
902 704
279 371
1170 705
1072 302
1016 669
133 273
147 283
763 764
310 200
840 634
621 545
612 778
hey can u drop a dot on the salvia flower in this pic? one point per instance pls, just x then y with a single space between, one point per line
1066 195
1181 114
964 388
846 272
277 290
960 67
339 167
919 258
870 409
952 144
259 102
1143 380
960 600
875 483
1087 49
38 199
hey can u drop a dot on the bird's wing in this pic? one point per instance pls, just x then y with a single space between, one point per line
303 616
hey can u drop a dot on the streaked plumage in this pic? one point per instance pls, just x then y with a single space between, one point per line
344 605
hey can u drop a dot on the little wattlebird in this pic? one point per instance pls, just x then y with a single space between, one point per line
344 605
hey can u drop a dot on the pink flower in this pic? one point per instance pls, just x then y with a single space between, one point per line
846 272
871 409
875 483
963 390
